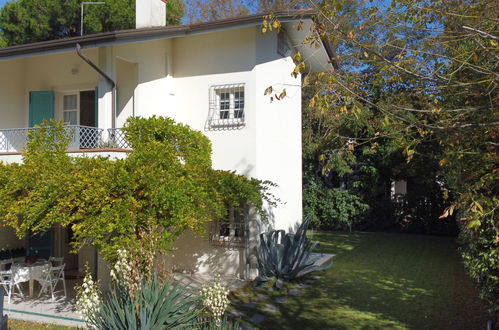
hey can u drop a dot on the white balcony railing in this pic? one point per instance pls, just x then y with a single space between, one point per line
82 138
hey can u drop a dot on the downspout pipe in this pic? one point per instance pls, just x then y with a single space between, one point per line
109 80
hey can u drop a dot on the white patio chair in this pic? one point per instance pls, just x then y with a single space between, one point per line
4 263
56 261
52 277
8 284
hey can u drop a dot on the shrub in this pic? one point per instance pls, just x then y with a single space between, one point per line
332 208
284 257
156 306
146 303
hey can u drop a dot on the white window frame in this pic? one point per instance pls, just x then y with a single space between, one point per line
77 94
227 113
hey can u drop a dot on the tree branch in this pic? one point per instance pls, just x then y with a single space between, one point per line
482 33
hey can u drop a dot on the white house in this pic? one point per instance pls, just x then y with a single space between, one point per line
211 76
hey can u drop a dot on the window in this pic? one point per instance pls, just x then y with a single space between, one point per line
229 232
70 109
226 107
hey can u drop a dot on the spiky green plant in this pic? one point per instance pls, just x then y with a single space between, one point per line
155 306
285 256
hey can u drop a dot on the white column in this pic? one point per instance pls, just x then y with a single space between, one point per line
107 64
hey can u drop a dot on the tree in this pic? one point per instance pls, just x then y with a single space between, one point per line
420 73
276 5
209 10
203 11
26 21
140 204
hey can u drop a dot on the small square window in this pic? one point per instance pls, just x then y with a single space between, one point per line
229 232
226 107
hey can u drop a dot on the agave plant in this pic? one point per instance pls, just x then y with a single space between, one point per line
285 256
155 306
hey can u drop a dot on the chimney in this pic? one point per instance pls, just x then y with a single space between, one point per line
150 13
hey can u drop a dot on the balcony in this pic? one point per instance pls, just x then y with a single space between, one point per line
83 138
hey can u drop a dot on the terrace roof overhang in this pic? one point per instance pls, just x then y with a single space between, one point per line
324 55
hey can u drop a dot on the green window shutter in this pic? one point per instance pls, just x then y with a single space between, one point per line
41 107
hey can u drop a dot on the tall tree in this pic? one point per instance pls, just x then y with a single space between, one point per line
422 71
203 11
209 10
26 21
276 5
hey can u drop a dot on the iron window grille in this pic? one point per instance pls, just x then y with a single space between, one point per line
226 107
230 232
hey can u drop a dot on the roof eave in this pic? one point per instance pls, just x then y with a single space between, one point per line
106 38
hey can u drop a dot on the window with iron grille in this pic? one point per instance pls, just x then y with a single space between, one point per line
226 107
229 232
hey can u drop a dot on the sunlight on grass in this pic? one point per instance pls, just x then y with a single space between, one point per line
378 280
25 325
351 318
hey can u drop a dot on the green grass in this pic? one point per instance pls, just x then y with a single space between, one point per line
378 280
25 325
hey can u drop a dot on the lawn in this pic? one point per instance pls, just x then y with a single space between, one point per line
25 325
378 280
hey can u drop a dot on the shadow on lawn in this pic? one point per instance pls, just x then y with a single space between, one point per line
377 281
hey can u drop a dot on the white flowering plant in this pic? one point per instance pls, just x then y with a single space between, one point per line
88 298
122 269
215 299
126 272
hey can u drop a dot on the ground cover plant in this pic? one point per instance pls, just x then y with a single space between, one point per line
379 280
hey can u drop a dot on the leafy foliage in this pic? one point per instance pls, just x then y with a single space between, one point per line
209 10
286 256
140 204
155 306
412 74
332 209
26 21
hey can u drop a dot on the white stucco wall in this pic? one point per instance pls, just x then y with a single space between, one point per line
126 79
13 113
193 253
172 78
154 82
278 137
202 61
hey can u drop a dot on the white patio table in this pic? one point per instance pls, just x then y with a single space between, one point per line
23 272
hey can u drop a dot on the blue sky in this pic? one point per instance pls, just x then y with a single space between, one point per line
2 2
